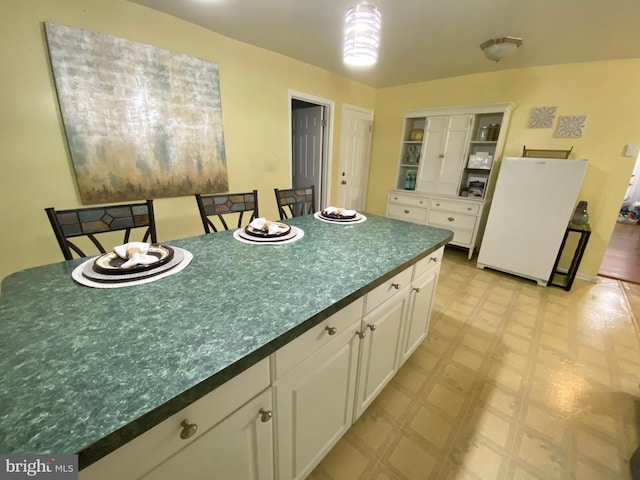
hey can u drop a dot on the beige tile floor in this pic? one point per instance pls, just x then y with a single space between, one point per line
514 381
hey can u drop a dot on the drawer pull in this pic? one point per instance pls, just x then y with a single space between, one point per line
469 208
396 286
331 330
417 289
433 259
451 219
395 198
361 334
437 204
265 415
420 201
407 211
441 155
371 327
188 429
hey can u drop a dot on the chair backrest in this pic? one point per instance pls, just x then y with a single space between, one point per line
219 205
295 202
91 221
541 153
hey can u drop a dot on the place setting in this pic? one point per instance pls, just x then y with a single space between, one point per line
266 232
133 263
340 215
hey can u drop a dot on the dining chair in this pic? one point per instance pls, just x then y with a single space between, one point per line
90 221
226 204
295 202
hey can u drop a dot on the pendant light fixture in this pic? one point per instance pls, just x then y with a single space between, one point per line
362 35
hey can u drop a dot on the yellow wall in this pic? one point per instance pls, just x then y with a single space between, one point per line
36 169
608 93
254 85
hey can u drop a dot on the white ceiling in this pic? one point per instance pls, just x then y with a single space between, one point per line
425 40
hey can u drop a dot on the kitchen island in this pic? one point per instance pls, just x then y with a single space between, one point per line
87 370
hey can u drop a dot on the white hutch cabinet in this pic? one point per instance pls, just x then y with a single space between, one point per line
447 167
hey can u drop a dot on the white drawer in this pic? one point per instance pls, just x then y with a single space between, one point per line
427 263
387 290
461 237
408 199
455 206
451 219
157 444
407 213
306 344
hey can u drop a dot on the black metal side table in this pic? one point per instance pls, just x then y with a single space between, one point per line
565 279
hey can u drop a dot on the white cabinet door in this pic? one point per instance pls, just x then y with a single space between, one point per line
314 403
433 154
454 149
419 312
240 448
379 356
445 144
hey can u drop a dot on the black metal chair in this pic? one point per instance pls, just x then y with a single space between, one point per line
219 205
295 202
542 153
91 221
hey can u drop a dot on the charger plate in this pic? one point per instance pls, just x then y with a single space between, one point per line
78 273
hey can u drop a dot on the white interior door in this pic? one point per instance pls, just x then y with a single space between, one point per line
307 146
355 148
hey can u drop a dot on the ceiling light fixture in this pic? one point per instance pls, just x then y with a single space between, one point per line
498 48
362 35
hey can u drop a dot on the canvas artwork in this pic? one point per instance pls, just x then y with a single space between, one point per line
141 122
570 126
541 117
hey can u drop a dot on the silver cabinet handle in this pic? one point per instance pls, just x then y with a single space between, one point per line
441 155
437 204
396 286
265 415
407 211
371 327
420 201
188 429
433 259
451 219
469 208
417 289
331 330
361 334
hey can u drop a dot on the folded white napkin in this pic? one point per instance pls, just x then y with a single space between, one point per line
271 227
340 211
135 253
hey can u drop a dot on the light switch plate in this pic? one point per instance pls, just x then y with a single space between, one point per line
631 150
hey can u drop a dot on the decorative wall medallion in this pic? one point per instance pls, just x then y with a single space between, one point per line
571 126
542 117
141 122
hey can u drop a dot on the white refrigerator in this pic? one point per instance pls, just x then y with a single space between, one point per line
532 204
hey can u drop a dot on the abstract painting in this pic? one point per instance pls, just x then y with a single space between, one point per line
141 122
570 126
541 117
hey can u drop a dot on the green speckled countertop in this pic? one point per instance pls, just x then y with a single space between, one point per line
85 370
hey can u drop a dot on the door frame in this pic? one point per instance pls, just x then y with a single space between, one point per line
323 191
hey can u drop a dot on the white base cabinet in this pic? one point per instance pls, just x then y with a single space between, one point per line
462 216
279 418
239 447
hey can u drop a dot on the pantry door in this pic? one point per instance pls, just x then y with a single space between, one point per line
355 150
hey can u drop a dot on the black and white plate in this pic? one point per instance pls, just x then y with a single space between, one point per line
358 218
254 232
128 275
111 263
